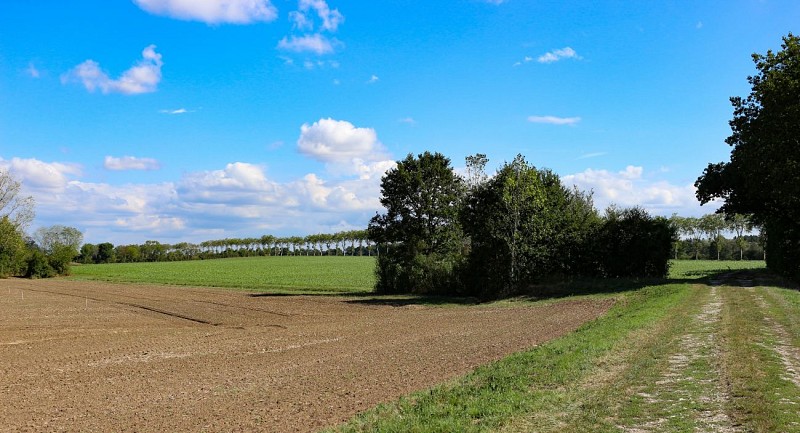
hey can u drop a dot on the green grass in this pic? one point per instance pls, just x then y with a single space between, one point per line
542 382
697 269
657 361
345 275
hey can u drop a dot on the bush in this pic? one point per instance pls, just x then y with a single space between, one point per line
38 266
634 244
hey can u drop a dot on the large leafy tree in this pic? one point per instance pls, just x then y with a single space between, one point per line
523 224
420 228
60 244
761 179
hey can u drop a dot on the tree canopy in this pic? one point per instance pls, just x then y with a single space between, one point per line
761 178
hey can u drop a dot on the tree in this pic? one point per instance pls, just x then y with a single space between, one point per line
60 244
88 253
12 248
18 209
422 196
476 170
761 177
739 224
523 224
712 225
106 253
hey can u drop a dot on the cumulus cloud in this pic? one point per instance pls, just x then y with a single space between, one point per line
556 55
313 18
554 120
212 11
330 140
330 18
130 163
141 78
36 174
373 79
315 43
630 187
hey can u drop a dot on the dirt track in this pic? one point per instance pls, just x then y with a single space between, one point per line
78 356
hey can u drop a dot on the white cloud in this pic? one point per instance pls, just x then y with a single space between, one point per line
315 43
212 11
32 71
36 174
630 187
330 140
330 19
373 79
556 55
553 120
130 163
408 120
699 25
176 111
592 155
141 78
327 20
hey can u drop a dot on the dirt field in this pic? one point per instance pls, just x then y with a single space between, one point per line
78 356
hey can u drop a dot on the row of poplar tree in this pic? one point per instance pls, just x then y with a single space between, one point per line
343 243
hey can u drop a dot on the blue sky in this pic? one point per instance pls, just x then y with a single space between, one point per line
187 120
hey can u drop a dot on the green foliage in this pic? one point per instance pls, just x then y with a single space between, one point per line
422 197
12 248
523 224
60 244
761 177
88 254
634 244
38 266
106 253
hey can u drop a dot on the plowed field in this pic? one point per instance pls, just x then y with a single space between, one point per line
84 356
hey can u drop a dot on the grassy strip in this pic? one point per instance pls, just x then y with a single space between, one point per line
763 400
535 381
696 269
269 274
672 381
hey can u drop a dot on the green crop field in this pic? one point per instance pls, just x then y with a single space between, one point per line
695 269
273 274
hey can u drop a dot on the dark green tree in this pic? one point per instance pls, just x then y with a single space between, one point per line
420 229
106 253
12 248
761 178
523 224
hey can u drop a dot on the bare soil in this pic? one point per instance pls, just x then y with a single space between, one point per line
86 356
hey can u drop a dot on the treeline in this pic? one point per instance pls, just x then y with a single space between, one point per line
344 243
500 236
48 253
703 238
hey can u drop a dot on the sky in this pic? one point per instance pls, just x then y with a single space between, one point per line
190 120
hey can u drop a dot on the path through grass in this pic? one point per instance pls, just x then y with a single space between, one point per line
684 357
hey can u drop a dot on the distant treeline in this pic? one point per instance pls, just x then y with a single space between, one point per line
344 243
702 238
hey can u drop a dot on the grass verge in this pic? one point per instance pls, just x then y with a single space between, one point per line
533 382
